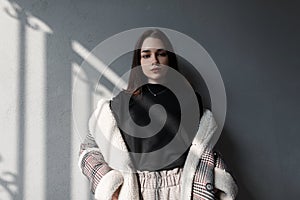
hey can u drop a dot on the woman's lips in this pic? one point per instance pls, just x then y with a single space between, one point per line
155 69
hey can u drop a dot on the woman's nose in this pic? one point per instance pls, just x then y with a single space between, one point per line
154 59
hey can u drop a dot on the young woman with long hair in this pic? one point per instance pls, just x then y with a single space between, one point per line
184 166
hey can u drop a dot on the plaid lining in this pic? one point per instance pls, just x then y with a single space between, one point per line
203 183
94 168
93 165
219 161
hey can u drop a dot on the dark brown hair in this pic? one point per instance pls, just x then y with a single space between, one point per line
137 76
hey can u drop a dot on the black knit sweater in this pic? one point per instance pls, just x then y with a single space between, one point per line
139 106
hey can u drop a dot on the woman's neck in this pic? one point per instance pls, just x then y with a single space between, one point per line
161 82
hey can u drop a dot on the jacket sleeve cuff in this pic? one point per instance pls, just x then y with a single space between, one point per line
225 183
83 153
108 185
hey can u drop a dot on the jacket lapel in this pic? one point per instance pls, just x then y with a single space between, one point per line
201 141
108 137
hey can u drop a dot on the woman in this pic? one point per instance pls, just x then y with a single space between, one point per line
189 169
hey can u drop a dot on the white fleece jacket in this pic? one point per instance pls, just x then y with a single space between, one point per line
113 148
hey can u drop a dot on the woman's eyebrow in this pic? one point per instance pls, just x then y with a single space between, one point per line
161 50
147 50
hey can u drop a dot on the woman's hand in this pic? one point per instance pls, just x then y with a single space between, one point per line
116 194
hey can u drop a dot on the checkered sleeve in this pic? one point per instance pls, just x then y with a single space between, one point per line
92 163
226 187
203 185
219 162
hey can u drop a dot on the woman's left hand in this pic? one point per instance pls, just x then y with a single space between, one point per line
116 194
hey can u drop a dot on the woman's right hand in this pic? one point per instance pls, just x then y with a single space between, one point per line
116 194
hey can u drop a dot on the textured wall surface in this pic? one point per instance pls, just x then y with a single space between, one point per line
255 45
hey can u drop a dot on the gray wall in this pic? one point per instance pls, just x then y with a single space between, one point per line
253 43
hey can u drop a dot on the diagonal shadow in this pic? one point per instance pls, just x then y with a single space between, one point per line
8 181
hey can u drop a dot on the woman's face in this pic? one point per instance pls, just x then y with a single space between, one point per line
154 60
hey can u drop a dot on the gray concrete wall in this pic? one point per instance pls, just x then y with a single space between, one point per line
255 44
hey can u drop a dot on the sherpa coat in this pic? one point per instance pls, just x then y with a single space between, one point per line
105 160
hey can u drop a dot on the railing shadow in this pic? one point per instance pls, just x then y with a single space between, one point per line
9 182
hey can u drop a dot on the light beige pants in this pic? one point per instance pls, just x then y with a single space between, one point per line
160 185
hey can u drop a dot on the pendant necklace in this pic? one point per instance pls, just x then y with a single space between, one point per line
155 94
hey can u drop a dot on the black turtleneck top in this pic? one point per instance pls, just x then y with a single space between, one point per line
139 106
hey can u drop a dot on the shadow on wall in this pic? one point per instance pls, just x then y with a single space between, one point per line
9 182
45 62
43 144
16 12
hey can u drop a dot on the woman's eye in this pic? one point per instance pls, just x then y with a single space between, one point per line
146 56
163 54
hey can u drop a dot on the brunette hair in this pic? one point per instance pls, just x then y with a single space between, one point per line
137 76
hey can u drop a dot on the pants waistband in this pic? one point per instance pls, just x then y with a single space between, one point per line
160 179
